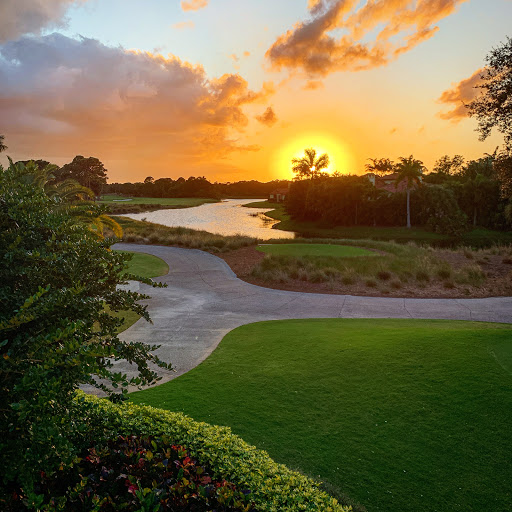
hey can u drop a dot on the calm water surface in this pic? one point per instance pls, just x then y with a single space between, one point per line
226 218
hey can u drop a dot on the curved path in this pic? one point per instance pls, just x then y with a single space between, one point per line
205 300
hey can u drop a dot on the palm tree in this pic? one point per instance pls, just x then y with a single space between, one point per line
309 166
3 147
69 194
379 166
410 170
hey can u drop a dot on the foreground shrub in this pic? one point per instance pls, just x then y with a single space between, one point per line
56 278
274 487
136 473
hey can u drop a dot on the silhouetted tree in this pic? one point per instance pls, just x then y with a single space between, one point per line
309 166
449 165
89 172
380 166
409 170
493 108
3 147
503 167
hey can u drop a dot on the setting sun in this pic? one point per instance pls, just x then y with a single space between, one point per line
340 158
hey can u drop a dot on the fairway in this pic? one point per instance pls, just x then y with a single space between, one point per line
178 202
299 250
409 415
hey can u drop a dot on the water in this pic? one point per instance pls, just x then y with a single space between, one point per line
226 218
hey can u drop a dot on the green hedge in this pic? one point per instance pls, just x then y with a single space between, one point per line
276 488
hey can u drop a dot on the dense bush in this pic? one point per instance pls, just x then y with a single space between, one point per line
274 487
56 277
134 473
438 210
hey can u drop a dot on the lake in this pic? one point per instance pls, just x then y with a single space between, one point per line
226 218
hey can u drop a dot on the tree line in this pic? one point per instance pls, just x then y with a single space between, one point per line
453 197
194 187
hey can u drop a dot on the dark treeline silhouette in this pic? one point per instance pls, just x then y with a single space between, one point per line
87 171
193 187
453 197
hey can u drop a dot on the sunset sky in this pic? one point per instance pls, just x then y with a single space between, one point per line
234 89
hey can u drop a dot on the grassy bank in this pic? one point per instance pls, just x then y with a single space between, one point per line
143 265
121 205
398 414
476 238
135 231
389 268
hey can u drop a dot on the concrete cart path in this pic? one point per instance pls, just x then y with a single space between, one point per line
205 300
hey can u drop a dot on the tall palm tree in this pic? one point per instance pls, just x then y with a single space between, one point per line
3 147
409 170
309 166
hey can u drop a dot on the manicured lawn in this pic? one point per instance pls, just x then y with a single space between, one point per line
182 202
146 265
300 250
401 415
143 265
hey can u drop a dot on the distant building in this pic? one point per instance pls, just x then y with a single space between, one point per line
387 182
278 195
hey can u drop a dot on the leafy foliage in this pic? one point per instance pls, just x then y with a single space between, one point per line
89 172
274 487
380 166
55 279
493 108
309 166
134 473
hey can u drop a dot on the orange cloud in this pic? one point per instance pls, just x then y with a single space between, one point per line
459 96
268 118
66 96
315 48
313 85
193 5
183 25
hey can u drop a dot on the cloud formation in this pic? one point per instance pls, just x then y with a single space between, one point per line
183 25
194 5
460 95
338 35
60 93
268 118
18 17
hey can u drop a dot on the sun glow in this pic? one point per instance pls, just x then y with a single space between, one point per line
340 157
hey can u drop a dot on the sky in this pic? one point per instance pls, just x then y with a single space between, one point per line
234 89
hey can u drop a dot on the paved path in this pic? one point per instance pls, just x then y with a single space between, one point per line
205 300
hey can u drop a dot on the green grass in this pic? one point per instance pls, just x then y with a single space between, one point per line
141 232
179 202
263 204
402 415
400 262
146 265
143 265
479 237
147 204
300 250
